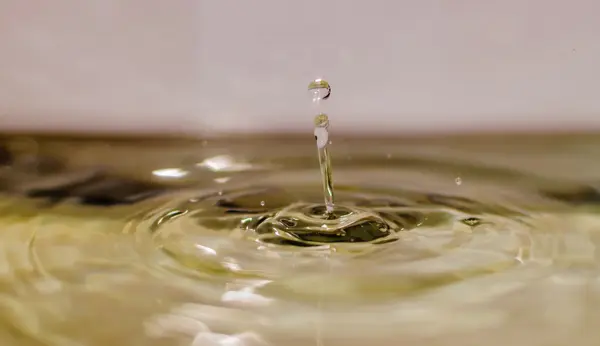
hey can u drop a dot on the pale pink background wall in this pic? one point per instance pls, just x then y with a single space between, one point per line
222 65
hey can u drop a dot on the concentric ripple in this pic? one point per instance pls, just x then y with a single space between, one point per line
229 244
376 245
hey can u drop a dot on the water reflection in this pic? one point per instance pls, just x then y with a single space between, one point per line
170 173
225 163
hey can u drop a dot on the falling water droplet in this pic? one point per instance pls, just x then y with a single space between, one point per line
322 120
320 90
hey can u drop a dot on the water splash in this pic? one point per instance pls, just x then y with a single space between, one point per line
321 90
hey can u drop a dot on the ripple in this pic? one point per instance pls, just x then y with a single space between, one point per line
241 252
375 246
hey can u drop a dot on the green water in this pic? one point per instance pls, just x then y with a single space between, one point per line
436 241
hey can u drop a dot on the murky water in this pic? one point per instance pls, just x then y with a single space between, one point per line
462 241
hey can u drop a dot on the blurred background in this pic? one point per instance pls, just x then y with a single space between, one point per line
208 67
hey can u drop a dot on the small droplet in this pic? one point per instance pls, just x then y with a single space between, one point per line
322 120
471 221
319 90
458 181
262 203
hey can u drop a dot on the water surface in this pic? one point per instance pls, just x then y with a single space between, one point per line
488 239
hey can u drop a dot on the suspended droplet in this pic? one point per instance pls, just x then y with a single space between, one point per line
458 181
319 89
322 120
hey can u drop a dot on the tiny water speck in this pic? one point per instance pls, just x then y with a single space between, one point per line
471 221
458 181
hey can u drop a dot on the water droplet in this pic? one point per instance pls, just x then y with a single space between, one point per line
471 221
262 203
319 90
458 181
322 120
